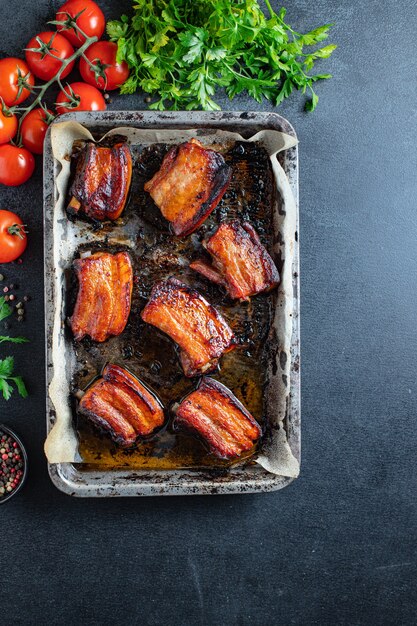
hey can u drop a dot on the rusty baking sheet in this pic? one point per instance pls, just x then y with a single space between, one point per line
168 464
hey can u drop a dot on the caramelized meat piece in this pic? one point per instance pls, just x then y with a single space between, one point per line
239 261
219 419
119 404
102 181
199 330
104 295
189 185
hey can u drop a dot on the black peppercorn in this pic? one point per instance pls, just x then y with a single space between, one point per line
11 467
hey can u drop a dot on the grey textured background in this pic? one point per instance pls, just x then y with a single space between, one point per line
339 545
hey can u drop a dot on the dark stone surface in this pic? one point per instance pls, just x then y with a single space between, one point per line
339 545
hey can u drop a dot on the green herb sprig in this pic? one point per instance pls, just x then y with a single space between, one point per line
5 309
7 364
183 51
6 374
4 338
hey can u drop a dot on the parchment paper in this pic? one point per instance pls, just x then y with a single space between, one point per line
61 444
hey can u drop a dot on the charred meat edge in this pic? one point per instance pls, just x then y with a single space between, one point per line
218 184
216 271
223 449
95 203
162 291
116 375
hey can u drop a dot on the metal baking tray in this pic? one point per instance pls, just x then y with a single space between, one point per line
77 480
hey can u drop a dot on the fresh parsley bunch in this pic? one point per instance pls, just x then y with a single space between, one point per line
183 51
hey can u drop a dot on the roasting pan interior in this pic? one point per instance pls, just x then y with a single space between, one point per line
168 463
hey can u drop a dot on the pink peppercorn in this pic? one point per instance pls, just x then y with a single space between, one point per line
11 464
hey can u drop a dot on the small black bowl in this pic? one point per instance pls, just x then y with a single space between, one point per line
7 431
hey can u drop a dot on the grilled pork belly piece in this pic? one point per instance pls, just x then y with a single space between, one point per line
197 327
189 185
104 295
239 261
219 419
119 404
102 181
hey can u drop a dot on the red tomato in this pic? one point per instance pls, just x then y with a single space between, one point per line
9 80
103 55
16 165
91 21
42 64
33 129
89 99
8 126
13 239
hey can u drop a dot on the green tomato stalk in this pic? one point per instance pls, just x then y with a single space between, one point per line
46 50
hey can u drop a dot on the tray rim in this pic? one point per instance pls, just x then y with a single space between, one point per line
125 482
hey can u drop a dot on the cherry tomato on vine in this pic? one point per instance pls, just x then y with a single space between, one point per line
109 74
16 165
91 21
8 125
88 97
13 236
10 80
33 129
42 64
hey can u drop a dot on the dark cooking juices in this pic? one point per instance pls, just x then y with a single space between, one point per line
153 357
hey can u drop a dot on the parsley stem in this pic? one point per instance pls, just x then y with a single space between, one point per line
270 9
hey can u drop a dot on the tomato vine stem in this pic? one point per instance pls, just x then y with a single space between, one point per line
42 89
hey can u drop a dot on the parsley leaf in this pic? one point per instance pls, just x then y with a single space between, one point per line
4 338
5 309
6 389
183 52
6 374
6 367
21 387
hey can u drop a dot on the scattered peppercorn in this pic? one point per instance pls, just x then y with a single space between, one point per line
11 464
11 297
